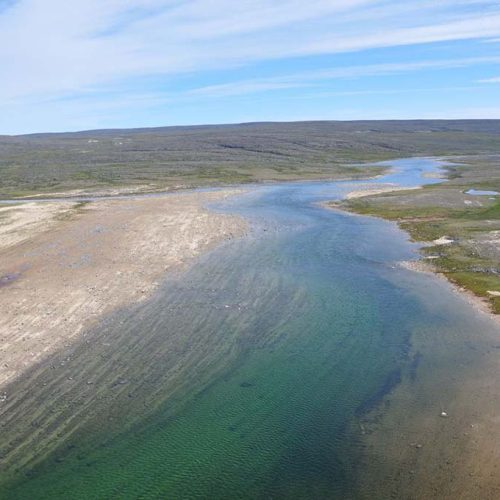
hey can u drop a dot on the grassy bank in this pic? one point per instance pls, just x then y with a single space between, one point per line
472 259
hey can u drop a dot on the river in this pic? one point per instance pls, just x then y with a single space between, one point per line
250 374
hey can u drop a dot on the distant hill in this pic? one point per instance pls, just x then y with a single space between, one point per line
219 154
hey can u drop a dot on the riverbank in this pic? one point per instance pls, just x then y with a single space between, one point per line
479 303
460 230
370 190
65 265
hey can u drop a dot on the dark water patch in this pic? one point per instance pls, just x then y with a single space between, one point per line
8 279
413 367
392 380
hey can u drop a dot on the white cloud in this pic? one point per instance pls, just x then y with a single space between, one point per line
240 88
495 79
306 79
71 61
49 47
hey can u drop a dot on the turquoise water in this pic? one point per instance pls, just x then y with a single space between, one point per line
245 376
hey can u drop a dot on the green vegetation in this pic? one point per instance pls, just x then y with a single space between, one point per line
181 157
472 222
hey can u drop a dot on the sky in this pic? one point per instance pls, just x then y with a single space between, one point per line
84 64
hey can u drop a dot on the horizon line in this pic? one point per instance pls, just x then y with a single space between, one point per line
259 122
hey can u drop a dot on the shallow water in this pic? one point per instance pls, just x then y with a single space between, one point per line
481 192
243 377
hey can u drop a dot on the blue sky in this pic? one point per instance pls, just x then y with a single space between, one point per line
83 64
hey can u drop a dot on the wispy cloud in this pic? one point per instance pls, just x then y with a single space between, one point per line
305 79
53 46
81 48
240 88
495 79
